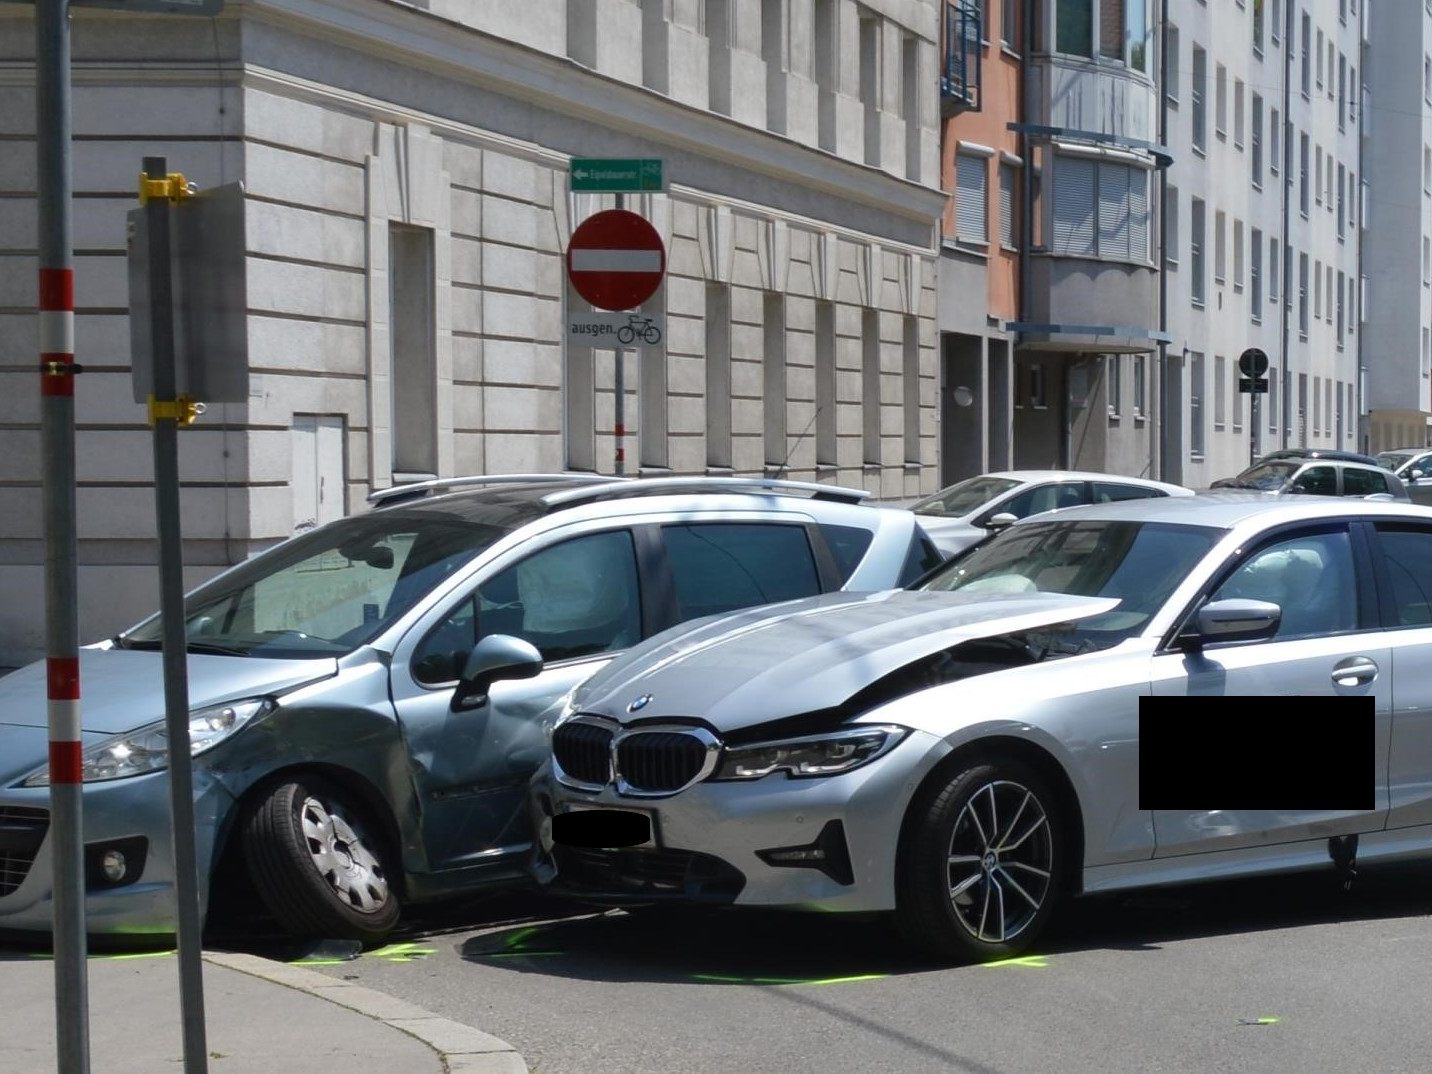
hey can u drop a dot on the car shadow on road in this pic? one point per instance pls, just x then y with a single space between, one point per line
671 944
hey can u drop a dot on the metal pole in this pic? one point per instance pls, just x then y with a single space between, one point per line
619 413
1253 409
57 432
1159 435
171 605
1286 134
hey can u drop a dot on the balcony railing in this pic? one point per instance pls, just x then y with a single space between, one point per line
964 47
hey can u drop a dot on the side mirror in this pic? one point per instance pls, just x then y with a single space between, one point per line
1234 619
1001 520
1416 475
495 657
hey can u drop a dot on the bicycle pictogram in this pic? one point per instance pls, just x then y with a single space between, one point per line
638 327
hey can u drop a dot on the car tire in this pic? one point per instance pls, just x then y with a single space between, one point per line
982 866
318 863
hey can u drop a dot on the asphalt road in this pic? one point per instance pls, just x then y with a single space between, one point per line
1174 981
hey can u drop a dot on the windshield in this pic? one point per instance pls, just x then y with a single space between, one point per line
1266 476
1391 460
965 498
1141 563
327 592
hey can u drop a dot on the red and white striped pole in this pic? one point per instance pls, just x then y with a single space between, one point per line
57 436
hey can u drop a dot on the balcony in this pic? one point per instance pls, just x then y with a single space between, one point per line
964 48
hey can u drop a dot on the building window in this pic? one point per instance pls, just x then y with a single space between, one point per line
870 385
1341 309
413 339
1427 79
1303 147
1100 210
1319 51
1426 170
1238 91
1196 92
1328 291
1275 141
1220 101
1275 270
1074 29
1141 385
1238 255
1008 185
1256 147
1318 174
868 80
1114 363
1273 399
825 441
1037 398
1258 27
1171 227
1342 214
1352 93
1171 48
971 198
1195 250
1220 247
1275 21
1317 406
1008 24
910 377
1342 91
718 376
1303 295
1307 70
1255 275
773 377
1426 351
1195 404
1220 400
1317 289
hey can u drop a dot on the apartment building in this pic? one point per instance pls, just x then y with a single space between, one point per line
1397 250
1262 227
406 175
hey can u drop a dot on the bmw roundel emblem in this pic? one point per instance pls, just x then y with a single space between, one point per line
640 703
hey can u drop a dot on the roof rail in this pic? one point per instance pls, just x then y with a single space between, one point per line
615 488
417 489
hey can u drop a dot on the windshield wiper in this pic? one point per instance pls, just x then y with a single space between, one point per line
204 647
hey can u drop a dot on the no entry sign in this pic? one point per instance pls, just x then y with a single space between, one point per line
616 260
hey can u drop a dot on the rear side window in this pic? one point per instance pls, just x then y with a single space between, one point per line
1407 554
1362 482
923 556
1317 481
1111 492
719 566
1043 498
848 545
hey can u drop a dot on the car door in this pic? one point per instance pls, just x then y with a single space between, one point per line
1328 644
1315 481
1419 488
1403 557
580 600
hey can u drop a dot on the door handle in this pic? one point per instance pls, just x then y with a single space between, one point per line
1354 671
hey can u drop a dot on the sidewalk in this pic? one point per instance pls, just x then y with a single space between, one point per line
261 1016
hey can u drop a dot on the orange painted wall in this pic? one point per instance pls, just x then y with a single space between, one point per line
999 106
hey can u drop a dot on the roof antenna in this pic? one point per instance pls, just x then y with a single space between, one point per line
786 462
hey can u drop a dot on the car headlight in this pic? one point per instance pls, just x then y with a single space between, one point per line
146 749
817 755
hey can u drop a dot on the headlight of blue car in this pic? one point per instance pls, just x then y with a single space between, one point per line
146 749
816 755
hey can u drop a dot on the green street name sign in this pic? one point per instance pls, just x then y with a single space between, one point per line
617 175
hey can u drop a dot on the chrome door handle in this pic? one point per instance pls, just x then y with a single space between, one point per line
1354 671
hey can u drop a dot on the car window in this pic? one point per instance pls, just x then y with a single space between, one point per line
721 566
1407 555
1138 563
847 545
1358 482
1393 459
1112 492
1310 577
1317 481
1265 476
577 598
964 497
328 591
921 557
1039 498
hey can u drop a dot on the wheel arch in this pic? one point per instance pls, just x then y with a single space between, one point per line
1071 815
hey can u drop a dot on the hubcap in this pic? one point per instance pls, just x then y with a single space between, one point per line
1001 859
340 857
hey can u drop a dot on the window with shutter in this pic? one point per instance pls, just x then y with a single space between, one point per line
971 199
1006 204
1074 207
1138 214
1113 210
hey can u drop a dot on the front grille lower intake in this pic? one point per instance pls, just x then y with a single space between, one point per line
22 830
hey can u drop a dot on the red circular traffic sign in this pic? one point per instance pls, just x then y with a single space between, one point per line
616 260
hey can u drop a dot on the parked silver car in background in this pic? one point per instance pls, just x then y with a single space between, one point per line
968 754
967 512
1414 467
357 742
1318 477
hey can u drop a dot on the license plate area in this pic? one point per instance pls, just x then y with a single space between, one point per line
604 828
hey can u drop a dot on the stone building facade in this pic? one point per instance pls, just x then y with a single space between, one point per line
405 166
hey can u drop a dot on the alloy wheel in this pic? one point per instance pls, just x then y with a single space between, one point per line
1000 861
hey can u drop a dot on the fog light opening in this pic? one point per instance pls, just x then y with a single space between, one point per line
828 853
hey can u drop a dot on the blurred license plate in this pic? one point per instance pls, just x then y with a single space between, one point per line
601 828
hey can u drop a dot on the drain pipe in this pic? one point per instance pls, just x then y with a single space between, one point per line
1286 387
1158 432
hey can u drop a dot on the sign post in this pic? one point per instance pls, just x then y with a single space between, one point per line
616 261
1253 364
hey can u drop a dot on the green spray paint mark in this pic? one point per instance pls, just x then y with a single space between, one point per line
1038 962
43 957
518 938
402 952
523 954
1264 1020
785 981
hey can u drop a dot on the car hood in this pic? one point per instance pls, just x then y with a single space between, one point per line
805 656
121 689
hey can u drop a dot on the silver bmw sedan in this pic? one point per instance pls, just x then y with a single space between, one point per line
1117 696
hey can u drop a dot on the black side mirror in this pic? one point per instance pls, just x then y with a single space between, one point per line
495 657
1233 619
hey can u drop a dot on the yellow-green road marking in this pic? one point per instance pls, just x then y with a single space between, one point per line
1038 962
402 952
725 979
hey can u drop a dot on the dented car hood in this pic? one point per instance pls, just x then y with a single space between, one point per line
769 663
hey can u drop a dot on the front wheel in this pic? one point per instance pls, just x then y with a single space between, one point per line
317 863
980 874
626 335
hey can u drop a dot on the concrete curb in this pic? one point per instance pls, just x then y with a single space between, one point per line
462 1049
